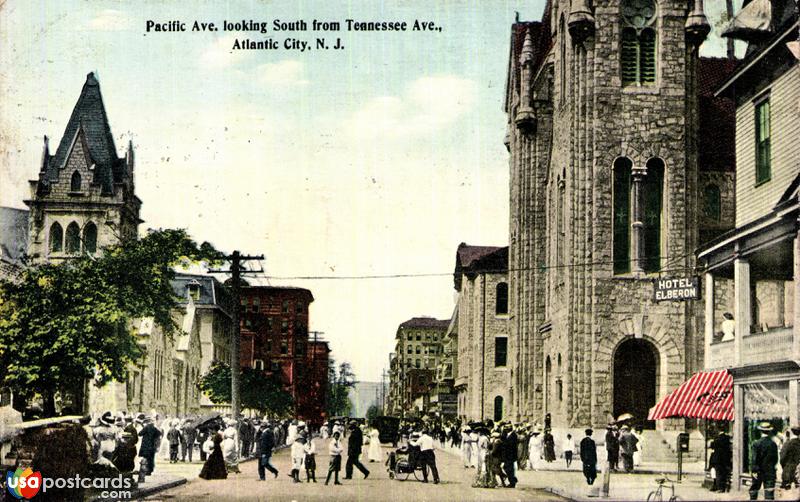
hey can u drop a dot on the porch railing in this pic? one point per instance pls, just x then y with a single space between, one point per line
757 348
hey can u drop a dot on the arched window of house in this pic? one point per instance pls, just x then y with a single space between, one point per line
712 202
498 408
75 182
72 242
622 215
258 364
90 238
56 238
638 46
652 205
501 299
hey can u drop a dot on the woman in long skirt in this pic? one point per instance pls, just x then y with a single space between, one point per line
549 446
214 468
375 454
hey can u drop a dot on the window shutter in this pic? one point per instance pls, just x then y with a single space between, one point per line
647 56
629 59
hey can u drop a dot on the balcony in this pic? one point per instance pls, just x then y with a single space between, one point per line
757 348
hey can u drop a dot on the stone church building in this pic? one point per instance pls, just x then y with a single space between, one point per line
621 163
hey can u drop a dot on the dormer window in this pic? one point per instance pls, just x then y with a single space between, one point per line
75 182
193 289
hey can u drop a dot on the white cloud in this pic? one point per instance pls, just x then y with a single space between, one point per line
110 20
427 105
220 54
288 72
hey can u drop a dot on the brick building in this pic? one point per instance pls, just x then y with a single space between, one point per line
275 339
418 346
621 164
482 382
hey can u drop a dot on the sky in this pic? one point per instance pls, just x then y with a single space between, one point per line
375 159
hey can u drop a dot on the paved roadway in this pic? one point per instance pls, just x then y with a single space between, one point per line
456 484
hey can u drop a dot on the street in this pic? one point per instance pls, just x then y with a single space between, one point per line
455 484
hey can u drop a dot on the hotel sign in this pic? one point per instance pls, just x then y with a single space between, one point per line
676 289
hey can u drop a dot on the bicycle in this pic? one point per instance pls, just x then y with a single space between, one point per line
657 495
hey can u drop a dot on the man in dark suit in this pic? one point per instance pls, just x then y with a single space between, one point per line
509 452
762 464
589 457
722 461
790 458
149 446
266 443
354 444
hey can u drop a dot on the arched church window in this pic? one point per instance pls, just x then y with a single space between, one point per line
56 238
90 238
73 239
639 42
75 182
712 202
653 195
622 215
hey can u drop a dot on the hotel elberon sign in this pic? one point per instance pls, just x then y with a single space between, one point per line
676 289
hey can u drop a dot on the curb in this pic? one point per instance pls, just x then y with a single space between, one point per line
146 492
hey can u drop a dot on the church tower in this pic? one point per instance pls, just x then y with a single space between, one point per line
83 199
603 128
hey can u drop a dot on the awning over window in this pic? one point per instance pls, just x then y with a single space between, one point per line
706 395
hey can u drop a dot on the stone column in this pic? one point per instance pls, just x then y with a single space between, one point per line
637 240
793 412
741 279
709 320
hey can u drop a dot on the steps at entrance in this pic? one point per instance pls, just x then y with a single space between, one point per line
661 446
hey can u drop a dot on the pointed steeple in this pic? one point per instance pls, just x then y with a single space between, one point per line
89 115
526 55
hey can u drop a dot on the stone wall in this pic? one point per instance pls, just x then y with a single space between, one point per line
567 302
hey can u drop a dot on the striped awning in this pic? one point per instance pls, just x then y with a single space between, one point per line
706 395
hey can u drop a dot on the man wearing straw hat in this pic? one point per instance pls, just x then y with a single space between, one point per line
762 465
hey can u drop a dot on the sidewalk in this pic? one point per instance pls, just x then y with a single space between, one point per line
570 483
169 475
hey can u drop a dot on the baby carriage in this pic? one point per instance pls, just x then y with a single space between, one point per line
403 463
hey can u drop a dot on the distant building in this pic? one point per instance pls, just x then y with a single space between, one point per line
482 381
275 339
418 346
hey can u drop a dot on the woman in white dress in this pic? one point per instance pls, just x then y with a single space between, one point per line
375 454
535 449
637 455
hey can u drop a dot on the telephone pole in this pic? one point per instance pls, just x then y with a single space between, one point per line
236 270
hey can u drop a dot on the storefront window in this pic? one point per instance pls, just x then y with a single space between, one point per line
763 402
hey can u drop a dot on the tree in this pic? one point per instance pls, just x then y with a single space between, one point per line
372 412
259 391
62 324
340 381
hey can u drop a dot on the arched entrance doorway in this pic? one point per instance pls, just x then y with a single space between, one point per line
635 379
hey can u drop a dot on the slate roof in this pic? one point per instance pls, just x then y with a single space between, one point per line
426 323
89 117
212 292
476 259
13 233
717 122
